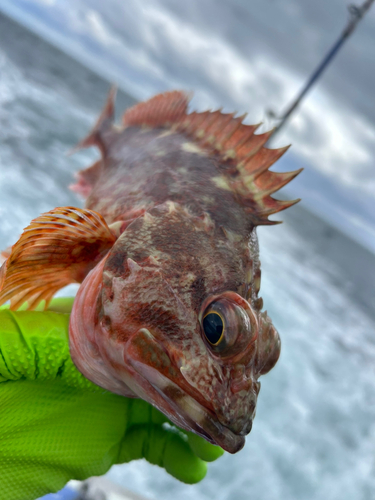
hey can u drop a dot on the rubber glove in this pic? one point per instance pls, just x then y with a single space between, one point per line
55 425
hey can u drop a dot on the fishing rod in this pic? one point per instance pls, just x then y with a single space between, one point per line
356 14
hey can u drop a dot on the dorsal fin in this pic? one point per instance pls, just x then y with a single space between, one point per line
161 110
102 125
238 145
226 136
87 177
242 153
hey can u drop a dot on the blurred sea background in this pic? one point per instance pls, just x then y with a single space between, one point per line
314 434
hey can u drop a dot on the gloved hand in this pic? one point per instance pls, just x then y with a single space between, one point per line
55 425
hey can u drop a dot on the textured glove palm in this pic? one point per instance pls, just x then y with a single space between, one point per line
55 425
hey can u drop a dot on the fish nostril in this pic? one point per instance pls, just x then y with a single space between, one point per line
106 322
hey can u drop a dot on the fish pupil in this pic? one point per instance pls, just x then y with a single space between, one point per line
213 327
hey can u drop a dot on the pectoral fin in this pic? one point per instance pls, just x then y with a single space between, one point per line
57 248
5 254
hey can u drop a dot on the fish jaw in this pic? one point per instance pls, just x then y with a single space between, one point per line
181 408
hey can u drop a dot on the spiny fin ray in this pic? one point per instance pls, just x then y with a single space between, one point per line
270 182
257 163
103 124
159 111
57 248
243 154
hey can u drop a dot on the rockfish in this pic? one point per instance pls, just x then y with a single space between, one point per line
167 253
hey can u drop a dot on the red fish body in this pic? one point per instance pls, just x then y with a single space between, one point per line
167 253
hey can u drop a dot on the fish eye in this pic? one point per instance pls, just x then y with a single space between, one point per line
213 327
228 324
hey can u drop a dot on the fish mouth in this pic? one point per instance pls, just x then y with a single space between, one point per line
184 411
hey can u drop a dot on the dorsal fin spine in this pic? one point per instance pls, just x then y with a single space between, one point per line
247 134
229 135
217 128
278 206
158 111
260 161
103 123
270 182
255 143
190 128
236 143
225 135
209 119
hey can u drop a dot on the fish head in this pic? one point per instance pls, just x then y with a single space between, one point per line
164 321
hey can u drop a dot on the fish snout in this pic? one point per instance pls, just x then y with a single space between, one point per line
238 419
237 410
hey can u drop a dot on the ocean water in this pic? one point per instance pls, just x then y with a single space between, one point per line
314 434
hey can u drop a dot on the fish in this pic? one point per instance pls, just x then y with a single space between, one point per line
166 254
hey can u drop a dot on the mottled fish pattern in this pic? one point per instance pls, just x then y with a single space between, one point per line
167 254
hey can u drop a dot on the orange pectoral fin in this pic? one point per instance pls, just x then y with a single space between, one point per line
4 255
57 248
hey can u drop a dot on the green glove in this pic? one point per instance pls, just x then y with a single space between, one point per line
55 425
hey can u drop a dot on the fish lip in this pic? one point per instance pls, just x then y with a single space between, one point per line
210 428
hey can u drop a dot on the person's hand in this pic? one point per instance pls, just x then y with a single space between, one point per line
55 425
